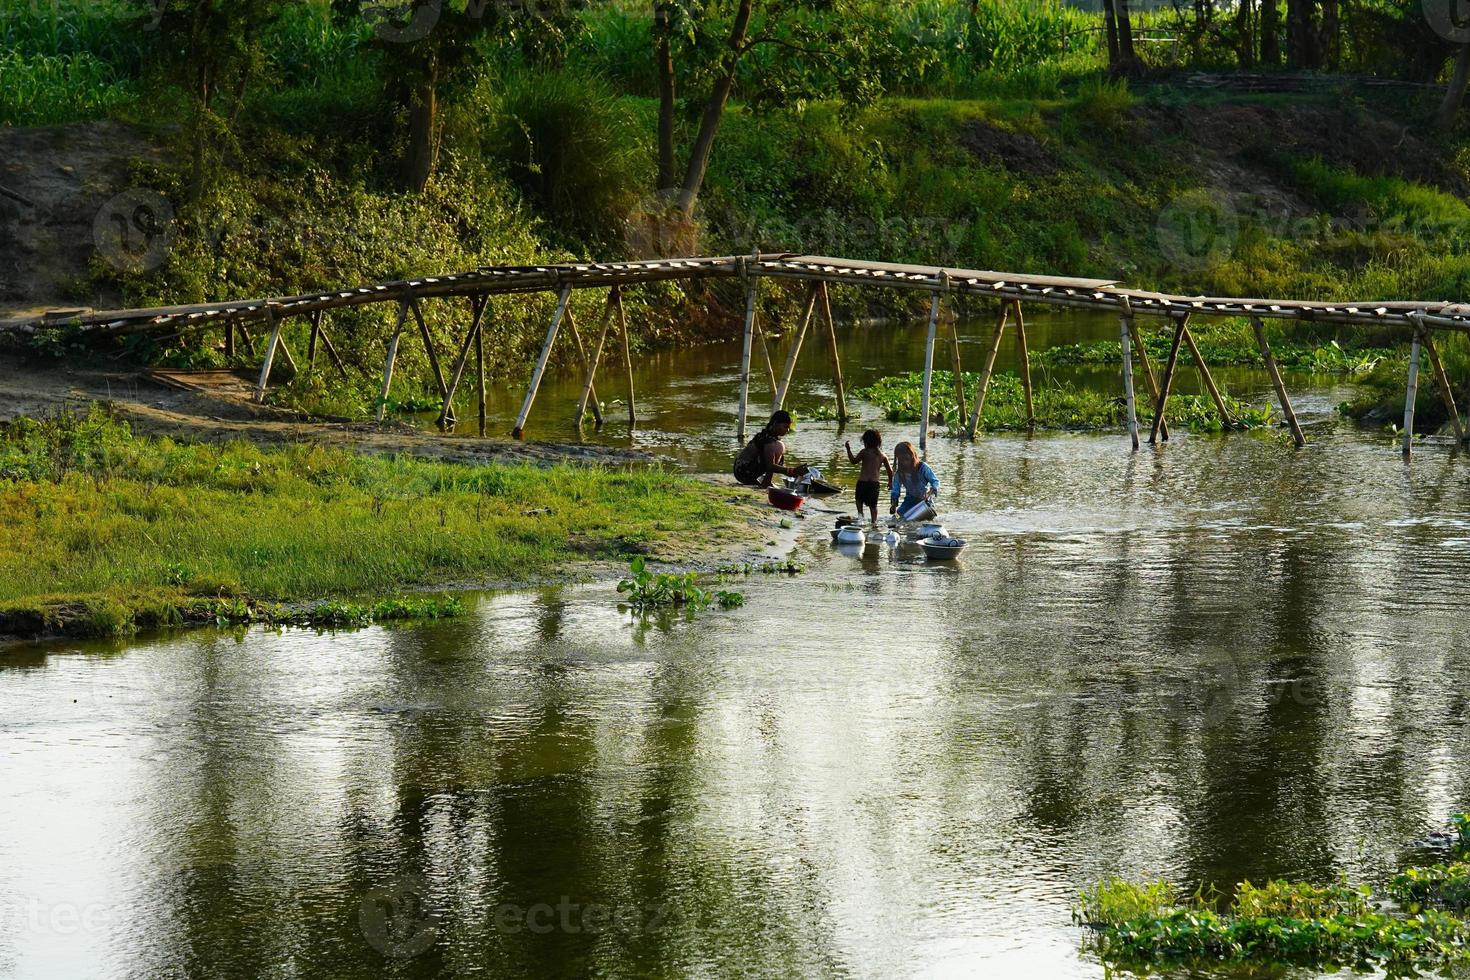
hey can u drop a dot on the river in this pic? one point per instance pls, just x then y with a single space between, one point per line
1217 660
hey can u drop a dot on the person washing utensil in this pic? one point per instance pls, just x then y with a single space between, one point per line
870 460
765 455
914 478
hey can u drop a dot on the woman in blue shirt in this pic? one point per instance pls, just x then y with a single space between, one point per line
912 476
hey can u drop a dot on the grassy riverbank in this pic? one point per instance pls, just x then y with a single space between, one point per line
111 531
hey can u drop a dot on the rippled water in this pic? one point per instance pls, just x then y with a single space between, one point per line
1218 660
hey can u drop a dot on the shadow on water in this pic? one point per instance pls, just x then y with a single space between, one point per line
1213 660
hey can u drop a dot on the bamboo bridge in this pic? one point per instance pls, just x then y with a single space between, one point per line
1419 320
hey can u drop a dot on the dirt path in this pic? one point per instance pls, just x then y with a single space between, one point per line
38 388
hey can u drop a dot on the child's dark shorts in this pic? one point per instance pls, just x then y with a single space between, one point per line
867 493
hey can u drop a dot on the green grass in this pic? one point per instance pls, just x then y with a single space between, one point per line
91 513
1058 404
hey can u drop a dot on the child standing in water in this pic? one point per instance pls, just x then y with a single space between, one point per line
871 459
913 477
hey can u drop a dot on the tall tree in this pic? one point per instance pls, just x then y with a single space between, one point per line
211 48
1449 108
1119 22
1270 33
811 49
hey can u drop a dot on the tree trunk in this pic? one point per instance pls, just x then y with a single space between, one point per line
664 56
1245 51
1327 36
1301 35
1270 33
1111 23
714 110
1126 57
1449 109
423 119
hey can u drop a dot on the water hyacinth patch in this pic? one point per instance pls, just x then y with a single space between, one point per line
1058 405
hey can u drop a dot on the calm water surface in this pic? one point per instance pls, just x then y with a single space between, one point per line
1214 661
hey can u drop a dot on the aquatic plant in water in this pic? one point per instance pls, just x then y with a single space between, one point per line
1151 924
648 590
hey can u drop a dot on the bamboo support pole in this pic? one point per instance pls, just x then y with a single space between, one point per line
1442 379
1281 396
1151 382
391 359
836 356
1126 329
617 292
588 392
760 334
229 338
1025 356
316 326
447 417
540 369
790 367
582 358
480 370
746 338
429 347
1206 378
1411 394
248 340
1165 385
959 369
270 353
984 383
928 372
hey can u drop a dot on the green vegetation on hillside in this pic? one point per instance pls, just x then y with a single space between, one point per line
987 135
91 514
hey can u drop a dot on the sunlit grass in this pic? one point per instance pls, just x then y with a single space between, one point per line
85 507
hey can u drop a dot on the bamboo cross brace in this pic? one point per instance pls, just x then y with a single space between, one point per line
1206 377
270 353
617 293
790 368
1136 335
582 359
1166 384
429 347
990 355
518 431
477 313
331 347
1442 379
836 356
959 370
1025 355
1276 382
760 333
588 392
391 359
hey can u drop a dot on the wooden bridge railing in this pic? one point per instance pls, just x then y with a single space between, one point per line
1420 320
